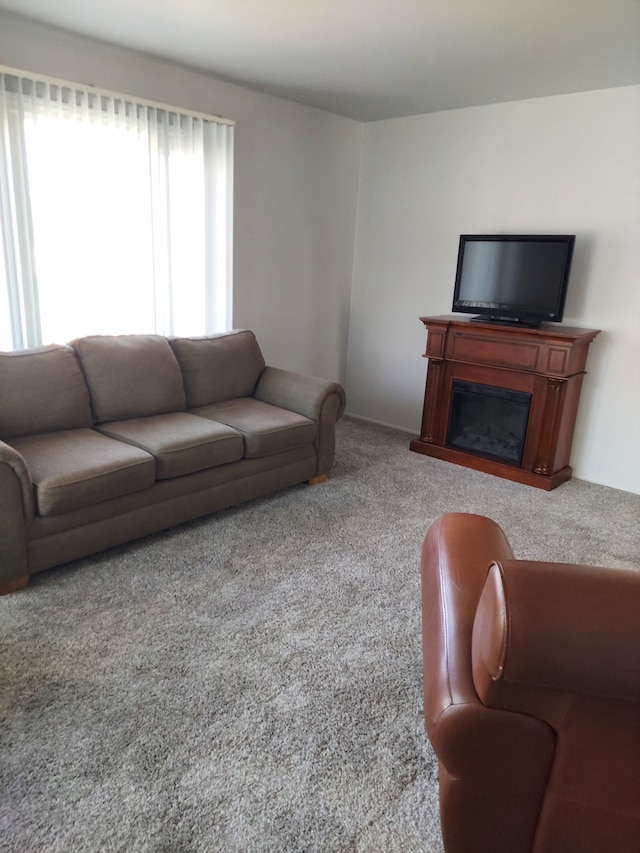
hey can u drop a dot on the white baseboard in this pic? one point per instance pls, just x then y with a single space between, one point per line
412 432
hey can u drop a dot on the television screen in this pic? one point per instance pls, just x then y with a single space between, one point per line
513 278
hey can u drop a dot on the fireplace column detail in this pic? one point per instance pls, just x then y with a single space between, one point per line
543 365
552 420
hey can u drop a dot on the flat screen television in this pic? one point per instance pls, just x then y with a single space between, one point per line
505 278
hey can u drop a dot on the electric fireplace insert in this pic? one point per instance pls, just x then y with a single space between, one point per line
487 420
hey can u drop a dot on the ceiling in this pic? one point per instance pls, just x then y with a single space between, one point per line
375 59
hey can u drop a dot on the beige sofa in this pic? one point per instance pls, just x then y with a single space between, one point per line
112 438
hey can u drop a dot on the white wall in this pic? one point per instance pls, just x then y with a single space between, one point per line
568 164
296 172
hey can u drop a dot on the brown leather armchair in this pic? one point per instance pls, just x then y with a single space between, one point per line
531 696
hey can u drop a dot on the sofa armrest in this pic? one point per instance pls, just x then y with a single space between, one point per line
299 393
555 626
319 400
16 515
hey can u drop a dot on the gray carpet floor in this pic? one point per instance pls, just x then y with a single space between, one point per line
252 681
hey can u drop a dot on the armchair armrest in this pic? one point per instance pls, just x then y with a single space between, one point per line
456 554
468 737
16 516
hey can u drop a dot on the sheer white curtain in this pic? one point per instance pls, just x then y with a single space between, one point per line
116 215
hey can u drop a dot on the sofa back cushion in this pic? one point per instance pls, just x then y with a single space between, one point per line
130 376
42 390
219 367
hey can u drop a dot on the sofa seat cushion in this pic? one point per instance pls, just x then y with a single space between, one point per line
181 443
265 428
78 467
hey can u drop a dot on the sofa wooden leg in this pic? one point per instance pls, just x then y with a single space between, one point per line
315 480
13 585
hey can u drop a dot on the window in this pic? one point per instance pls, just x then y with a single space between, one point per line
115 215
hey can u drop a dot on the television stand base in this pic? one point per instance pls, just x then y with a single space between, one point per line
506 321
513 363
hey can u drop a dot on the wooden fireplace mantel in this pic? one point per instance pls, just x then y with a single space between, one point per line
547 362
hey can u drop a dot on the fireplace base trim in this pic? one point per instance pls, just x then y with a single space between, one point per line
490 466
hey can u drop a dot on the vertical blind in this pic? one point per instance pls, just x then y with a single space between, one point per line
116 215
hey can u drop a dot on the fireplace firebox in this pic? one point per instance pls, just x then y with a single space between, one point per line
488 421
503 399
